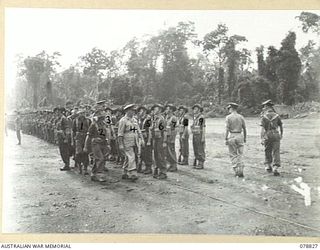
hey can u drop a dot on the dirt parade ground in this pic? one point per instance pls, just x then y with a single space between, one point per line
39 198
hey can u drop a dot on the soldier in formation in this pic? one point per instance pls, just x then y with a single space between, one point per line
142 139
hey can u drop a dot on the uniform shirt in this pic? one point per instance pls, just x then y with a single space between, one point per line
18 123
235 122
80 125
270 120
171 128
98 130
129 130
158 126
144 124
63 124
198 124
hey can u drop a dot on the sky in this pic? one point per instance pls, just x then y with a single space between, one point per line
74 32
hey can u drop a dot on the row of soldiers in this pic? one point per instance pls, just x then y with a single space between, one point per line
139 137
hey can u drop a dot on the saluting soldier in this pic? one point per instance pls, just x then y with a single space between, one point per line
97 136
145 121
198 136
183 123
171 121
270 137
236 136
128 136
80 129
64 138
159 138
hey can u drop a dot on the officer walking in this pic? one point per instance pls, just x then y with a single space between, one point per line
198 139
18 127
159 142
183 123
128 136
270 137
235 125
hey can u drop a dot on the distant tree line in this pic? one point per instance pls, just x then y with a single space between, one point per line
160 69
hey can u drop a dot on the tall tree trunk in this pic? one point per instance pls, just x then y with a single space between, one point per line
35 95
220 84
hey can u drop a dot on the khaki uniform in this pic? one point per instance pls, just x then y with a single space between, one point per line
270 122
146 151
130 132
183 123
64 139
158 136
197 129
171 156
234 124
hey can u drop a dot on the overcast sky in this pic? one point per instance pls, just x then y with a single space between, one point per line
75 32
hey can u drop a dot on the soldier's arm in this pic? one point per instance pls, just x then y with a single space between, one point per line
281 127
165 134
244 130
88 137
121 133
227 129
185 127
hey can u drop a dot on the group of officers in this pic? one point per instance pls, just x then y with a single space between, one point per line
142 138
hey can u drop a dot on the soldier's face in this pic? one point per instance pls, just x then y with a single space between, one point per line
196 110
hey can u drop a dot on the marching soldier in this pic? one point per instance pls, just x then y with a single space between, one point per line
235 125
183 123
128 136
80 128
64 138
97 136
146 151
270 137
159 142
171 121
198 138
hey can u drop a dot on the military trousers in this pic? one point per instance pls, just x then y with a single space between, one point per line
80 155
184 148
236 147
272 148
146 154
171 154
99 150
198 148
129 165
159 157
64 149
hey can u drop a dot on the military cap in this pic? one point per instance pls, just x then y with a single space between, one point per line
156 105
129 106
171 106
183 107
232 105
268 103
101 102
198 106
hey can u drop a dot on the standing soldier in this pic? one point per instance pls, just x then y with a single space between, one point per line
146 151
97 137
270 137
183 123
128 134
171 121
80 128
18 127
235 125
64 138
198 139
159 142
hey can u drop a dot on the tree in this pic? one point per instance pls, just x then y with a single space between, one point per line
310 21
260 60
289 67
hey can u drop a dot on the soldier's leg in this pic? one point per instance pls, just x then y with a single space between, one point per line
268 145
64 152
195 149
233 154
240 149
130 168
172 157
99 161
148 159
276 156
185 151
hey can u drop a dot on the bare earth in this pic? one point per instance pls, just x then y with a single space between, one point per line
38 198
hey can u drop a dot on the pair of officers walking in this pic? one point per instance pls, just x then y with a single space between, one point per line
236 137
